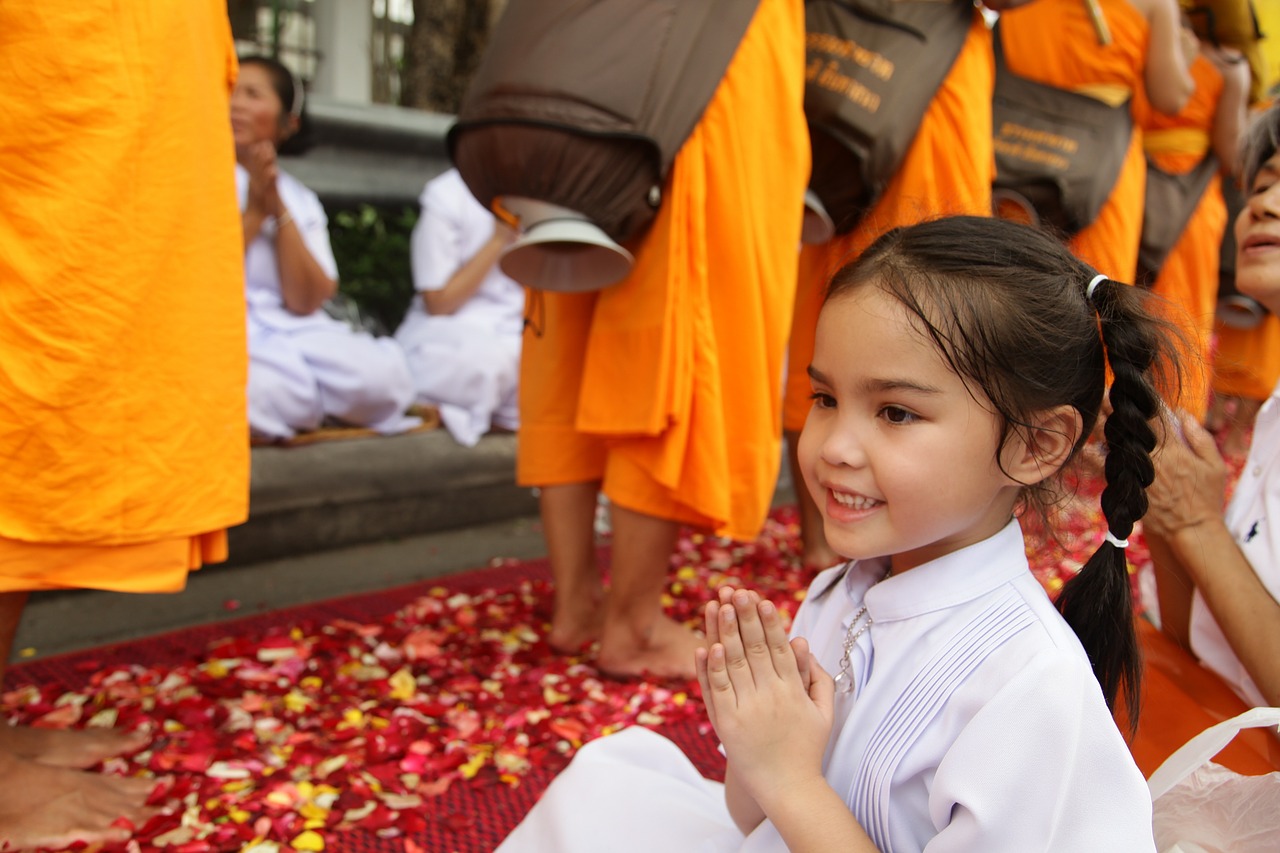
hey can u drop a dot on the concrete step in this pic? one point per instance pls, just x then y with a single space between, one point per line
326 520
335 494
64 621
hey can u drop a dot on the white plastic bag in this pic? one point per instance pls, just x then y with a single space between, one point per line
1202 807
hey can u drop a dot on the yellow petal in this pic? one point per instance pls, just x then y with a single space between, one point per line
309 840
403 685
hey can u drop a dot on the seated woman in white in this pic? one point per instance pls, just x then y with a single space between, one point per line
462 336
1218 575
304 366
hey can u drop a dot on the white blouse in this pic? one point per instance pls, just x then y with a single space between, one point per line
261 271
977 723
452 229
1253 518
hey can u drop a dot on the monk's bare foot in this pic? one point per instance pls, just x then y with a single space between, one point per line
667 652
568 638
576 622
70 747
44 807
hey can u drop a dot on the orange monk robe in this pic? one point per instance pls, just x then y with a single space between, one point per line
122 337
1054 42
1180 699
1189 277
1247 361
947 170
666 386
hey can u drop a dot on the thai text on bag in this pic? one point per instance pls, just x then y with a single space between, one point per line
873 67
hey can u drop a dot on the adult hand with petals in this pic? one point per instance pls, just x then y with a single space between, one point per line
1190 480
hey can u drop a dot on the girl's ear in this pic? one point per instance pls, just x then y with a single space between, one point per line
1040 451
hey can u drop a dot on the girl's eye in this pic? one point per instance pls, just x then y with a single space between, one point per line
823 401
1261 187
895 415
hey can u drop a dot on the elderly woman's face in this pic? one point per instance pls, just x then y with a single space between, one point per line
1258 238
255 108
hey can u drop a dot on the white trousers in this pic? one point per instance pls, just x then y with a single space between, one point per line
632 791
467 370
299 377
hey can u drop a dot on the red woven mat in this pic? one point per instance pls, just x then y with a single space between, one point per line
481 721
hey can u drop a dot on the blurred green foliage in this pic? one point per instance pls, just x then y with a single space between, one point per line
371 246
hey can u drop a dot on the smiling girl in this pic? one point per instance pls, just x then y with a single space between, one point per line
960 365
933 697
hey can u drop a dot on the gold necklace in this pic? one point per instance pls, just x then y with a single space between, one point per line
857 627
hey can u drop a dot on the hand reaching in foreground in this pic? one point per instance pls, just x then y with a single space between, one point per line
769 700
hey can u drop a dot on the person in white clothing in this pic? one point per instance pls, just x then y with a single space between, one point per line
304 366
462 334
932 697
1218 577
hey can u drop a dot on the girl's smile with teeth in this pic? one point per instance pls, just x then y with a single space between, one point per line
854 501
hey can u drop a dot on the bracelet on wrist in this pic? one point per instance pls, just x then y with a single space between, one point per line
272 225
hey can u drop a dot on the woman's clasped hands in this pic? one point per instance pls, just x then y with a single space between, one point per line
767 697
260 163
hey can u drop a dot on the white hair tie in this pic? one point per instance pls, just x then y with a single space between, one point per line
1093 285
1119 543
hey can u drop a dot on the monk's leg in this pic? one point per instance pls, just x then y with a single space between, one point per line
1219 406
815 551
11 606
1174 589
64 748
638 638
43 806
568 523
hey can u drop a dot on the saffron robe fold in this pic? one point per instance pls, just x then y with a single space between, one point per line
122 318
1189 277
1247 360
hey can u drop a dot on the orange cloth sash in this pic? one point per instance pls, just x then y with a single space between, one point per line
1189 277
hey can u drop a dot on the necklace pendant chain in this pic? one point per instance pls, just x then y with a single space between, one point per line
857 627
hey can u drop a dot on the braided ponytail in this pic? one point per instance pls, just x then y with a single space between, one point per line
1097 603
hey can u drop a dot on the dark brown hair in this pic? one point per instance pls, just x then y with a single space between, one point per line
1261 142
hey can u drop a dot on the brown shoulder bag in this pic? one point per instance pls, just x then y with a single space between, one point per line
1058 152
873 67
1171 200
